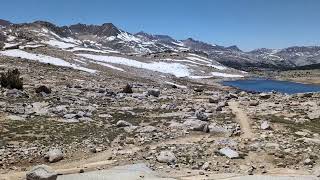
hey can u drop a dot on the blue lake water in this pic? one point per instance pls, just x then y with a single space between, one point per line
266 85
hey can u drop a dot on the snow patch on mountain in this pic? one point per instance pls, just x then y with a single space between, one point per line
11 38
59 44
43 59
92 50
128 37
218 67
177 69
9 45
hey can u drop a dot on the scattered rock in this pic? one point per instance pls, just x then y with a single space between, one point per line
205 166
213 128
15 93
233 96
251 170
15 118
146 129
198 89
309 140
314 114
301 133
308 161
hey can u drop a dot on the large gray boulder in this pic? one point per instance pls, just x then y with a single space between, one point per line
214 128
123 123
201 116
40 108
226 151
15 118
146 129
54 155
253 103
166 157
195 124
314 114
214 99
265 125
264 96
41 172
154 92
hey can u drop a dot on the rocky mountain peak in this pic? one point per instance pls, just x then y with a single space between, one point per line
48 25
5 23
108 29
201 46
164 37
302 49
144 34
190 39
233 48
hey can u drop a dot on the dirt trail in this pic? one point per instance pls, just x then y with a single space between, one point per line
242 118
100 159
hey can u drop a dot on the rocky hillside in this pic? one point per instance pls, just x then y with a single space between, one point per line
109 37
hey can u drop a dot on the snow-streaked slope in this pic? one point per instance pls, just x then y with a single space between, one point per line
179 70
58 44
92 50
128 37
220 67
43 59
199 60
107 65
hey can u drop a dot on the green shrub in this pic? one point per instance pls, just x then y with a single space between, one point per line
11 79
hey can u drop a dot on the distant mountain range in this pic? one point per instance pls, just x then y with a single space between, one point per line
109 36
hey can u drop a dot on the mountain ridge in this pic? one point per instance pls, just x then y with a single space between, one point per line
110 36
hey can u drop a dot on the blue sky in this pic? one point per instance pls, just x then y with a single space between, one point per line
249 24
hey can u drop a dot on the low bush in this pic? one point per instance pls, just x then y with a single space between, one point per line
11 79
44 89
127 89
